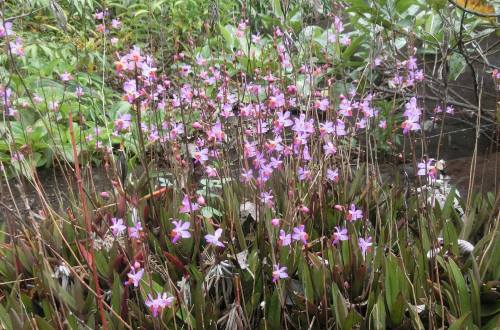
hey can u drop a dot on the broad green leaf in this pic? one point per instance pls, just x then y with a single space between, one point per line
393 285
403 5
42 324
433 24
197 295
460 287
274 311
493 324
415 318
276 5
353 320
116 294
5 321
102 263
339 305
226 34
378 313
353 47
398 310
460 323
209 212
305 276
456 65
450 237
400 42
475 298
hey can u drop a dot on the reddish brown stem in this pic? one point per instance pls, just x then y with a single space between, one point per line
88 225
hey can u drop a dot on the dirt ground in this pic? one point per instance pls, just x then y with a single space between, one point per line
59 187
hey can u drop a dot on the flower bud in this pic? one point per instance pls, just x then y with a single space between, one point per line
197 125
201 200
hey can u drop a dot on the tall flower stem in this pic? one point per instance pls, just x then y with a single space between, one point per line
88 225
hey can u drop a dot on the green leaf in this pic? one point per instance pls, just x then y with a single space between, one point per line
400 42
398 310
359 6
101 263
276 4
433 24
116 294
450 237
353 47
274 311
141 12
357 183
493 324
197 295
475 297
353 320
226 34
403 5
457 65
393 284
339 305
209 212
158 4
460 323
42 324
378 313
294 18
305 276
5 321
460 287
120 108
415 318
313 32
438 4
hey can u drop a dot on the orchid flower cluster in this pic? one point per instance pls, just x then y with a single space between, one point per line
407 74
277 125
283 127
412 114
158 304
430 168
16 47
103 24
6 102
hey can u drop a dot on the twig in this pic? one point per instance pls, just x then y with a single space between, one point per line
155 193
456 131
434 98
16 281
26 14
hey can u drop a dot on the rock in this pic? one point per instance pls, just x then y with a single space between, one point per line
248 210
